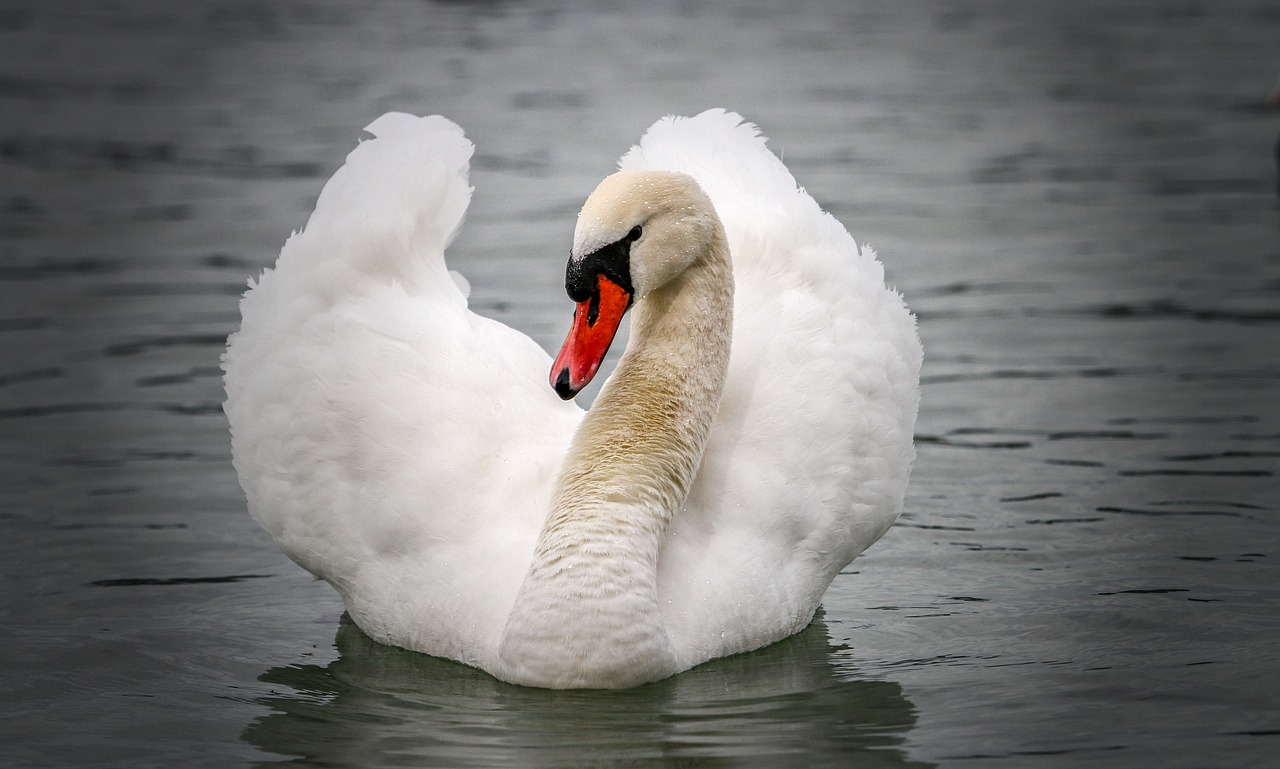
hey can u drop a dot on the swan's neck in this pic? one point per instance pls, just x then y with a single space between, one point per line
588 613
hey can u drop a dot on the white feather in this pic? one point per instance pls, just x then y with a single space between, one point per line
403 448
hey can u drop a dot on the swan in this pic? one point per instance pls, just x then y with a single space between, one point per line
754 437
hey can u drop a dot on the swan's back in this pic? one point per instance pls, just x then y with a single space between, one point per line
808 461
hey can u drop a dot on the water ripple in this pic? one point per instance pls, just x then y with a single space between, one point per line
166 581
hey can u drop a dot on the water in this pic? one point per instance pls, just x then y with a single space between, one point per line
1078 201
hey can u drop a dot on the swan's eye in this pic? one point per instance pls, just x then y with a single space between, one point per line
635 233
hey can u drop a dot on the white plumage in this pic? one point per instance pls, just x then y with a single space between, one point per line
406 449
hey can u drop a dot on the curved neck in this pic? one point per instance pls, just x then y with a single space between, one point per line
643 439
589 605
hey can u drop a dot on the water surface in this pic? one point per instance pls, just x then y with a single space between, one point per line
1078 202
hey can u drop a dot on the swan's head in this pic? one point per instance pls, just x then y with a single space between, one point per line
637 232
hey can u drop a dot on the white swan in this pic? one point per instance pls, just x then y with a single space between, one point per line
410 452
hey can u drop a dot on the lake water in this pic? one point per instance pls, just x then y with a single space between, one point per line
1078 200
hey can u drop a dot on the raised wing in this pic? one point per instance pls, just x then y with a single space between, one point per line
807 463
385 435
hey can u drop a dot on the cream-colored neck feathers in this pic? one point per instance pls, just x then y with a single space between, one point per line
587 614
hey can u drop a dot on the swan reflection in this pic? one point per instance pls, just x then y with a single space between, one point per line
790 703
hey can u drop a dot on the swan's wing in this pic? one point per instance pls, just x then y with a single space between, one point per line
393 442
808 460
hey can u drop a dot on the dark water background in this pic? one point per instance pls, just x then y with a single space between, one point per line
1077 199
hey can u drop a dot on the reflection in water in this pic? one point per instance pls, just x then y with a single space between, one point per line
382 706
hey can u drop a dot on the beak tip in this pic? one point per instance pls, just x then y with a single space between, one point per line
562 386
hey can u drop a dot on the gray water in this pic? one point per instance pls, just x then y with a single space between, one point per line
1077 200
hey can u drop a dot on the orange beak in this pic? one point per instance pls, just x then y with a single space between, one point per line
595 323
